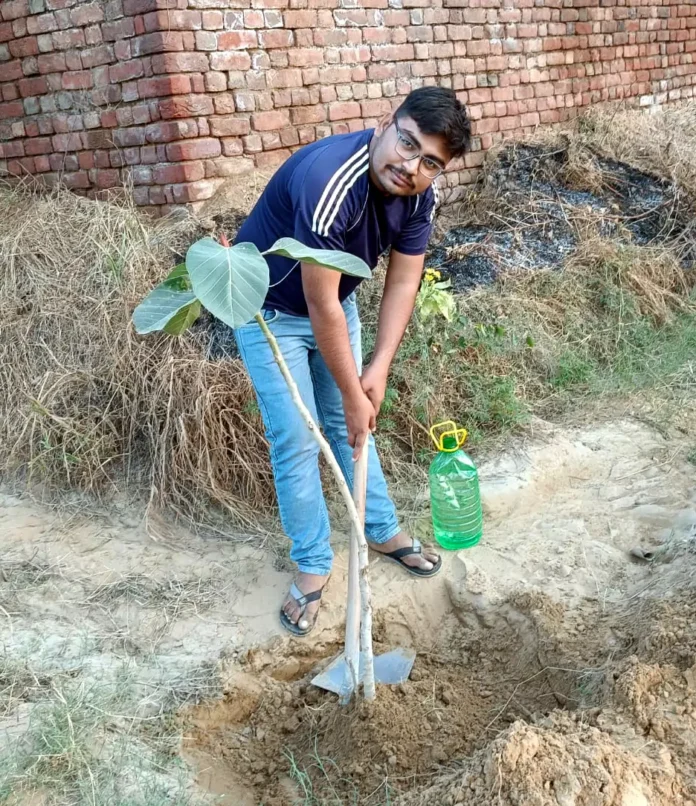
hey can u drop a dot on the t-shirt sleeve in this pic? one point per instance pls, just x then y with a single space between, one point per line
413 238
322 204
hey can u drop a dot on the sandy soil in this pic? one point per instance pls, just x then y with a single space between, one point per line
552 667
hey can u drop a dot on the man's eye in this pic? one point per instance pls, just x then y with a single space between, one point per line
430 165
407 143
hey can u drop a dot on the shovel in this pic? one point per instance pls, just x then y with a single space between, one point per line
357 666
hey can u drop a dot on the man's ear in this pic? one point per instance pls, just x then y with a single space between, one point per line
384 124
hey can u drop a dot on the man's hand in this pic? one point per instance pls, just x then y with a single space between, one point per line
360 420
374 384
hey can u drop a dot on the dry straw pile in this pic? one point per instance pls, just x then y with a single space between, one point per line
86 402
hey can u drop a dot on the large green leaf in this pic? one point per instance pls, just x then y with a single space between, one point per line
164 302
230 281
329 259
183 320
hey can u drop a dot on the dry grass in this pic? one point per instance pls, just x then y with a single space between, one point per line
87 402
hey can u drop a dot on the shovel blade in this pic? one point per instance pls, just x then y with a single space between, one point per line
391 668
334 677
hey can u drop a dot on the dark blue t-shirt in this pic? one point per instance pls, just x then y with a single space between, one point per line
323 197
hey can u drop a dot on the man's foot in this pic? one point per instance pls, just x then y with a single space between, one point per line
297 616
407 551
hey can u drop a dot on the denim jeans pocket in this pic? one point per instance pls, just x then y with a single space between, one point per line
268 317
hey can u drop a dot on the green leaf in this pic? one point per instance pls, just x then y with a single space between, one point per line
183 320
230 281
181 274
329 259
164 302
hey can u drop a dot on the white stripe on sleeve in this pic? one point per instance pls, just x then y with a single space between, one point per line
335 180
345 185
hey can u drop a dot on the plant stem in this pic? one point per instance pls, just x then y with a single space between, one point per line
360 498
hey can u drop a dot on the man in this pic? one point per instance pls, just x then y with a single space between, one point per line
361 193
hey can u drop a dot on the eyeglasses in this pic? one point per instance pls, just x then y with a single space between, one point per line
410 151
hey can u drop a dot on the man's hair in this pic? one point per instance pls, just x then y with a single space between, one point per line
436 110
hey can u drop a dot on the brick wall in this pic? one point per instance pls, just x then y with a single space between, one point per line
173 96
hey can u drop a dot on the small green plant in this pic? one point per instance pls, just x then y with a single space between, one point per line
435 297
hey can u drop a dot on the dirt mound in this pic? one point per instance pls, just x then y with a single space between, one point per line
562 763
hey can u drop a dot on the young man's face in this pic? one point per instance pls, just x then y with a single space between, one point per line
393 166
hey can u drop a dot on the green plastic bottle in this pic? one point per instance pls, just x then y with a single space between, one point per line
455 500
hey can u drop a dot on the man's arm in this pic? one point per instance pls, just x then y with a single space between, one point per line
330 329
401 286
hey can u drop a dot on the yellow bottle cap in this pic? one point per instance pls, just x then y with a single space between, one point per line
451 430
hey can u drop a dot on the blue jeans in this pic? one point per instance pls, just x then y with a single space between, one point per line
294 453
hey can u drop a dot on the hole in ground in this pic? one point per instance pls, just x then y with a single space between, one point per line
277 739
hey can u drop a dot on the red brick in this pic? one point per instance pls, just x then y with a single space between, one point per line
231 60
51 62
106 178
43 24
133 7
86 14
6 32
282 79
81 80
185 106
38 145
229 126
174 174
163 42
65 40
202 148
342 111
300 19
14 9
14 109
375 108
42 164
11 71
32 86
126 71
393 53
180 63
212 20
270 121
98 139
277 38
158 87
224 104
173 20
72 141
21 167
118 29
303 115
168 131
94 57
9 150
272 159
193 191
28 46
237 40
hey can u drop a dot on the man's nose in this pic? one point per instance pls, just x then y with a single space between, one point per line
410 167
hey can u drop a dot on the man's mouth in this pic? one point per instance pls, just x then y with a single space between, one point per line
400 180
